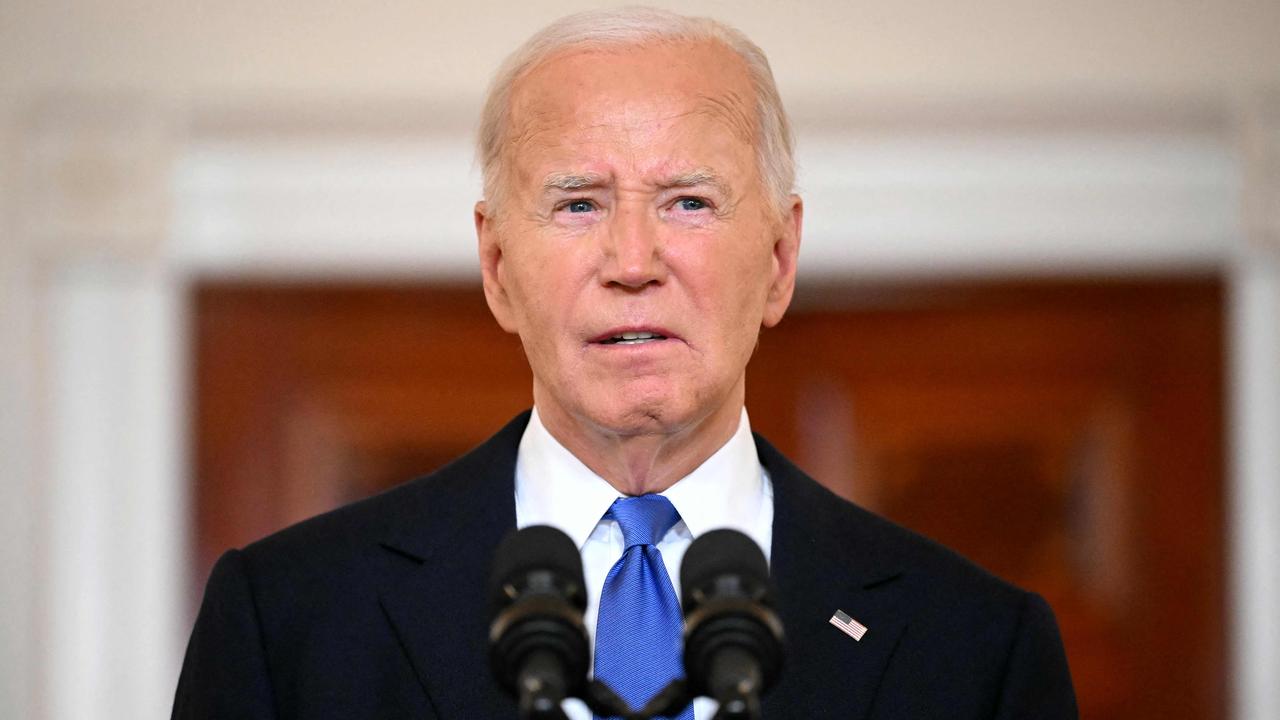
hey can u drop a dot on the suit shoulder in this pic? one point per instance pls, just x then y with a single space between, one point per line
354 524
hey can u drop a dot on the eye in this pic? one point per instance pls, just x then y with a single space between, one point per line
579 206
691 204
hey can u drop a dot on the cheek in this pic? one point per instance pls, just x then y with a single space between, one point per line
543 278
730 281
527 289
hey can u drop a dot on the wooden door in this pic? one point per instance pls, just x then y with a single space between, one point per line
1066 435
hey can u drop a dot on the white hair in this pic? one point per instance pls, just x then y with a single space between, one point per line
638 26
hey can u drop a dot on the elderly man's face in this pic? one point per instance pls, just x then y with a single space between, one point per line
635 251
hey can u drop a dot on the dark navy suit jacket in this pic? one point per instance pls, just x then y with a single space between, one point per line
377 610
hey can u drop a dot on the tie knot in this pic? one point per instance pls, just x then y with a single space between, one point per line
644 519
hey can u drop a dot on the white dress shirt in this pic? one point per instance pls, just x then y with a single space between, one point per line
553 487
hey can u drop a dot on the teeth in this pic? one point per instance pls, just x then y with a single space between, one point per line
634 338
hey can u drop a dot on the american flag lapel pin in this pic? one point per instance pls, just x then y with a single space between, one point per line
848 625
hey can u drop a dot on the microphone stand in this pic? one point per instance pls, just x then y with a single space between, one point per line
742 703
541 687
740 698
605 703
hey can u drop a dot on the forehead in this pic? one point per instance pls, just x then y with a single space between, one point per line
597 102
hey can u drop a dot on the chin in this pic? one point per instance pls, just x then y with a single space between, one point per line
636 420
643 414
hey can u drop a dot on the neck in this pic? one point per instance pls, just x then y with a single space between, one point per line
649 460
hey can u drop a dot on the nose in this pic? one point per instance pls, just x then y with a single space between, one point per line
633 249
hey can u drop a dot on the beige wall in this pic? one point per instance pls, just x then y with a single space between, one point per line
445 50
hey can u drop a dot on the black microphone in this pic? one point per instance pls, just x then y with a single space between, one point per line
537 643
733 638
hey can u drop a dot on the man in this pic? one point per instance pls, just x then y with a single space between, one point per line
638 231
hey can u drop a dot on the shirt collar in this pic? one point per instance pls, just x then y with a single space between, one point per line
553 487
725 490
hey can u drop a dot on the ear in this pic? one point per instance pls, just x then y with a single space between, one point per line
786 250
495 291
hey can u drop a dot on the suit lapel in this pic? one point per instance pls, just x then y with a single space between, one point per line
436 561
824 559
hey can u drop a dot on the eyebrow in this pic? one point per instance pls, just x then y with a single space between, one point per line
572 181
576 181
701 176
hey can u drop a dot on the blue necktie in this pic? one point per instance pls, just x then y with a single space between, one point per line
639 648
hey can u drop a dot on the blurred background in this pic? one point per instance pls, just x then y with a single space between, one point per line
1038 316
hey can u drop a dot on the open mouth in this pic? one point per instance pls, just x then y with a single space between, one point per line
632 338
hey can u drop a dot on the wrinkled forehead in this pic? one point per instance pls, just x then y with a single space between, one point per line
584 98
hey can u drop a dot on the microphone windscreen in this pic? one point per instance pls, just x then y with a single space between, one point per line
537 548
538 648
718 553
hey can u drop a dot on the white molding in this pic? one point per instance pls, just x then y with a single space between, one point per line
1044 201
335 204
1260 153
17 482
1254 430
1254 500
883 201
115 511
98 363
